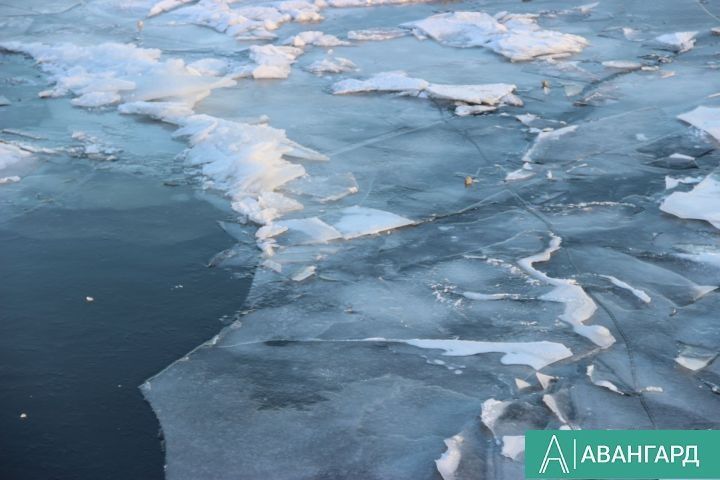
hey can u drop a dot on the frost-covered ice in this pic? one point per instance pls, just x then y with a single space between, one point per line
517 37
331 64
376 34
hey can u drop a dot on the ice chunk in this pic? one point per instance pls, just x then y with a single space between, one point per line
166 5
376 34
627 65
601 383
704 118
695 358
701 203
448 463
381 82
331 64
316 38
518 38
679 41
358 221
273 61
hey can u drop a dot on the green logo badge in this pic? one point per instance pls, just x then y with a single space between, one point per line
600 454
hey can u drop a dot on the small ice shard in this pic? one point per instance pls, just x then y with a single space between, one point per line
626 65
545 380
304 273
551 402
325 189
547 137
331 64
377 34
601 383
166 5
700 203
579 307
273 61
89 299
448 463
704 118
653 389
534 354
491 296
641 294
517 37
678 42
513 446
4 101
673 182
492 410
521 384
358 221
316 38
382 82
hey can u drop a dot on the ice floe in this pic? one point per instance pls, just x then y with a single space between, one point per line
377 34
331 64
448 463
472 99
517 37
11 155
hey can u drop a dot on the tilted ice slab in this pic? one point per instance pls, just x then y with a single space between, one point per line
700 203
517 37
376 34
489 95
112 73
166 5
579 307
704 118
678 42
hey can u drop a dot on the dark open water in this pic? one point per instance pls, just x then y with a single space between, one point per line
72 366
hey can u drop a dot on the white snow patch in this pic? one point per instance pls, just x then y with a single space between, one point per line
641 294
700 203
679 41
448 463
704 118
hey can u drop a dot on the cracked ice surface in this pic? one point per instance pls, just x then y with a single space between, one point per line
430 286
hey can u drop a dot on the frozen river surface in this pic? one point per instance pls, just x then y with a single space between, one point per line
467 219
